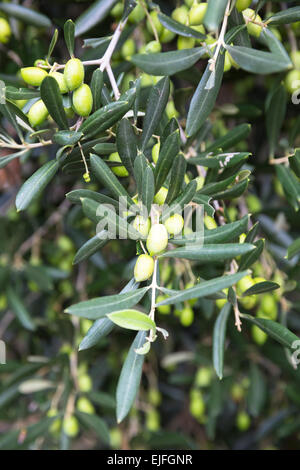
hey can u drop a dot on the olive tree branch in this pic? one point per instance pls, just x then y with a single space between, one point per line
220 41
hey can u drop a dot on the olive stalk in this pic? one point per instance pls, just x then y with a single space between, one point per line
220 41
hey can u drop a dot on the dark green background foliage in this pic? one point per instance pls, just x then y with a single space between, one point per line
208 385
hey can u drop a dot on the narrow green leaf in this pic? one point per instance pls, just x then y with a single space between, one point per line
34 186
210 253
100 306
204 288
257 395
20 310
93 15
214 14
148 188
219 335
166 158
69 34
157 101
290 184
179 28
256 61
275 115
130 377
67 137
52 44
53 100
250 258
104 174
293 249
289 15
205 97
261 287
184 198
96 87
13 93
95 423
76 195
27 15
89 248
220 161
279 332
132 320
126 144
177 178
168 63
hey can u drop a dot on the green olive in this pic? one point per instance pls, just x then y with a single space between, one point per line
85 406
166 36
243 421
117 10
59 77
164 309
146 80
153 47
37 113
174 224
197 404
181 14
74 74
119 170
85 383
128 48
253 203
156 23
197 13
203 377
292 81
142 225
157 240
144 267
152 420
242 4
209 222
5 31
171 111
268 306
185 43
33 75
161 196
187 316
137 14
71 426
227 62
83 100
154 396
258 335
155 152
249 16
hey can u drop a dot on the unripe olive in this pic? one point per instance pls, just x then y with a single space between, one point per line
137 14
164 309
243 421
85 383
253 29
209 222
185 43
33 75
69 112
83 100
268 305
203 377
227 62
128 48
71 426
237 392
258 335
59 77
200 182
189 3
174 224
197 405
171 111
117 10
117 170
152 420
295 56
242 4
292 81
155 152
37 113
85 325
153 47
74 74
187 316
181 14
197 13
161 196
157 24
144 267
83 404
245 283
5 31
154 396
166 36
20 103
146 80
142 225
55 425
157 240
254 204
129 77
40 63
3 302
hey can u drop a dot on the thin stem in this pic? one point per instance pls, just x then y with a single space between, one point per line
113 82
220 41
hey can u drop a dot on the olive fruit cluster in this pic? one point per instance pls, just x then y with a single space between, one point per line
69 81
